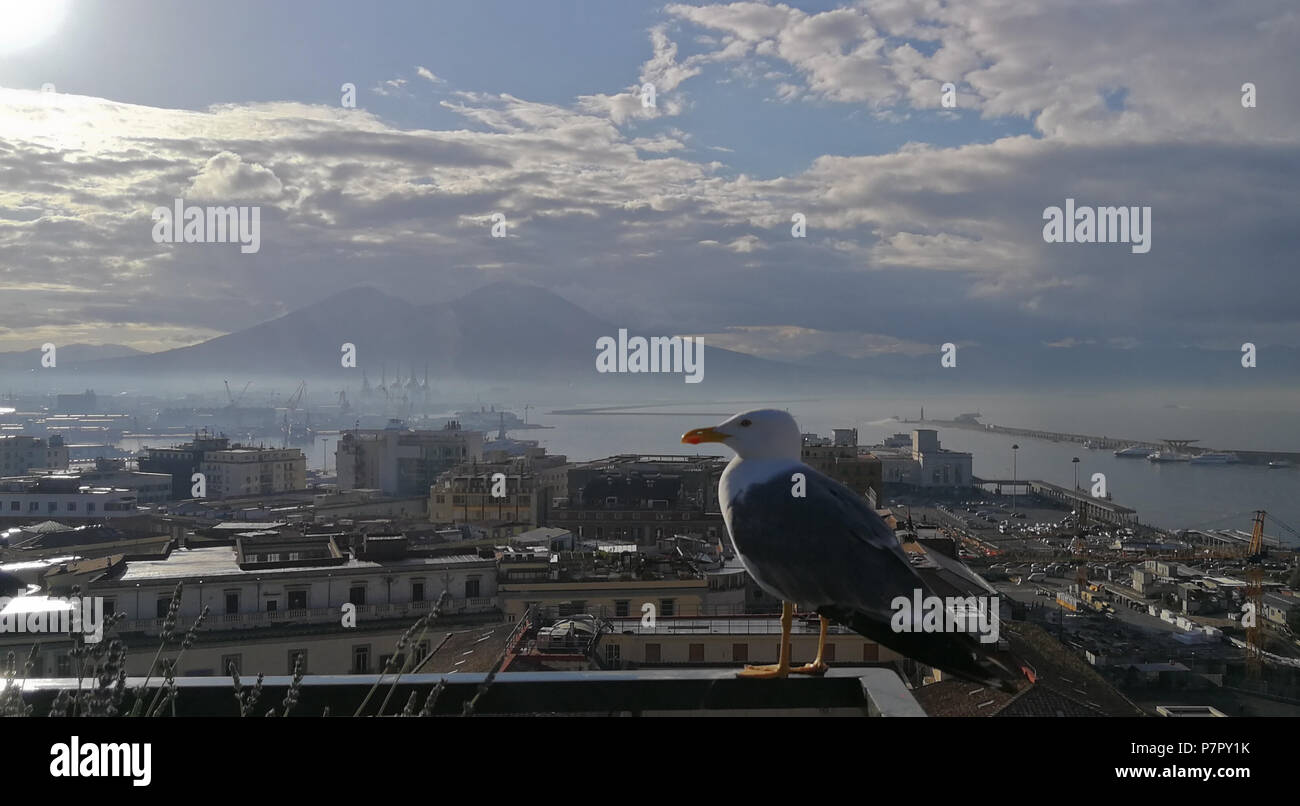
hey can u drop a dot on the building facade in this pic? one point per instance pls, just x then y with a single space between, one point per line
240 471
22 454
400 461
62 498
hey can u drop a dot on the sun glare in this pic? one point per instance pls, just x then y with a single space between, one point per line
26 23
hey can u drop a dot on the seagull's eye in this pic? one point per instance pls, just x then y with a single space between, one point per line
746 423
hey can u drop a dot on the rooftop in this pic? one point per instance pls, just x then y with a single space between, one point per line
868 691
221 561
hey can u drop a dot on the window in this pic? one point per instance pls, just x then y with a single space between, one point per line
33 506
232 603
697 653
357 595
298 600
417 590
398 662
294 654
274 557
471 588
613 654
576 607
870 652
294 556
740 653
72 506
110 607
52 506
620 608
161 607
235 661
14 506
64 666
89 507
272 605
652 652
361 659
666 608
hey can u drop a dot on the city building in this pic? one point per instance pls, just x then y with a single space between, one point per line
84 403
503 489
181 462
639 499
860 472
22 454
400 461
604 584
734 641
64 497
926 464
149 488
845 437
274 595
240 470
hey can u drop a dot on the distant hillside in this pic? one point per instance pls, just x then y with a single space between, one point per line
67 355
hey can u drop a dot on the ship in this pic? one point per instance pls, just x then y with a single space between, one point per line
1133 452
1215 459
1167 456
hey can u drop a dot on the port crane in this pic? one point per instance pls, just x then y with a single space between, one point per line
290 406
234 401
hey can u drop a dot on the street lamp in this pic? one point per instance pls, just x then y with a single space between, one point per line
1075 461
1014 449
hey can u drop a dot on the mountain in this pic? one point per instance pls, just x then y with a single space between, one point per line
509 332
67 355
504 331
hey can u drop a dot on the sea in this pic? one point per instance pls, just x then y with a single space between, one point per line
1172 496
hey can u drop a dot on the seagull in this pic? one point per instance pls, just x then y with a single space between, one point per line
806 538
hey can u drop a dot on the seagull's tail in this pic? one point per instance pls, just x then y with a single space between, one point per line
958 654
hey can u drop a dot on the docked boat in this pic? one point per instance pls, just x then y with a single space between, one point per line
1132 452
1216 459
1279 464
1167 456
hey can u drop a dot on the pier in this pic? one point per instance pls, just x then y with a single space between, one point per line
1114 443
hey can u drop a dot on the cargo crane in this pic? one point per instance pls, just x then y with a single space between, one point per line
290 407
234 401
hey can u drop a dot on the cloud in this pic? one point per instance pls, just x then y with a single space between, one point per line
920 245
427 74
792 342
226 177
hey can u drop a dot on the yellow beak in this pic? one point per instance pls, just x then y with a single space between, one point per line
698 435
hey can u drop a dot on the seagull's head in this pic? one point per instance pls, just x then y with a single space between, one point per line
758 434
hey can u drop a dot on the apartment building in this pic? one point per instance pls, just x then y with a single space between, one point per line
400 461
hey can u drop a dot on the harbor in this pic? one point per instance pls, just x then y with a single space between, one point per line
1165 450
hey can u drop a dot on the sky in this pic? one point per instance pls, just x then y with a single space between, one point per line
923 224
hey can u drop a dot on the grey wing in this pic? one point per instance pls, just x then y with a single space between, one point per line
828 547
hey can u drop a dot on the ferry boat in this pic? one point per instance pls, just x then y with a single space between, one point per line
1167 456
1215 459
1133 452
